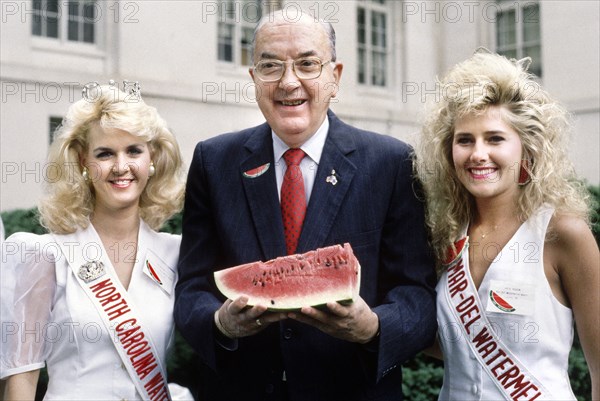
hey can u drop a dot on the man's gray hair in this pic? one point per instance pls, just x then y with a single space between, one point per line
270 17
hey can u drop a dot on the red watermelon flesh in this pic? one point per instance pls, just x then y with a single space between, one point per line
290 282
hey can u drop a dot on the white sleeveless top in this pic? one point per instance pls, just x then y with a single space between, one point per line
527 318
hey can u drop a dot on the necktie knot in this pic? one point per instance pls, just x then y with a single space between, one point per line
293 157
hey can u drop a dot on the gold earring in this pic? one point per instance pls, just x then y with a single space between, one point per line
85 174
151 169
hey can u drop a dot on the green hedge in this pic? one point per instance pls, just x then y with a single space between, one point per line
422 375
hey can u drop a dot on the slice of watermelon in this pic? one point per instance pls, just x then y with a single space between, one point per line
500 302
291 282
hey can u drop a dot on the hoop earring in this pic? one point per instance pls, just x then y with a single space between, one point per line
151 169
524 172
85 173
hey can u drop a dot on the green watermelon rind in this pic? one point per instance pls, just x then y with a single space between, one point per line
254 301
502 308
296 303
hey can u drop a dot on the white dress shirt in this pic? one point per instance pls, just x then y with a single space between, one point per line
313 149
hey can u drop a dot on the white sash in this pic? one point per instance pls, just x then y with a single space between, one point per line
509 374
111 300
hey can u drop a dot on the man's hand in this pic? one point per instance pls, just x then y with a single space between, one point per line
235 319
355 322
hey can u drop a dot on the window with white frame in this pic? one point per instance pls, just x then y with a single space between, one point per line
373 42
74 21
237 20
518 32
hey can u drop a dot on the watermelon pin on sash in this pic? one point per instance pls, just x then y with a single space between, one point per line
454 253
330 274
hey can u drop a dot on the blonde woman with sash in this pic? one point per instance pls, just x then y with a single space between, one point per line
519 266
93 299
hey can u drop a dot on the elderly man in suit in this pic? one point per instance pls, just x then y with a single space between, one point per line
356 187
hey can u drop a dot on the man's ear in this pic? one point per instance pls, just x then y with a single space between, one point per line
337 75
337 72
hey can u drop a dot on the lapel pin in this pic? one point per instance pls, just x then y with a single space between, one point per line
257 172
332 178
153 273
90 271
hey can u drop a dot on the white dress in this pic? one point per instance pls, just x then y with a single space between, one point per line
538 332
47 318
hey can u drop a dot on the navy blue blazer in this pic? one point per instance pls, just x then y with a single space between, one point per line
230 219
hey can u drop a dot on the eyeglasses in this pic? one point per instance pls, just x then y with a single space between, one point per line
304 68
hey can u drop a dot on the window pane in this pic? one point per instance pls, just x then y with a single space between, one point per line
225 42
54 123
506 34
226 53
246 57
361 35
378 29
247 34
531 23
73 9
51 6
227 8
225 31
89 12
88 33
383 30
536 59
378 77
360 16
36 25
360 25
361 66
52 27
73 30
509 53
251 11
534 52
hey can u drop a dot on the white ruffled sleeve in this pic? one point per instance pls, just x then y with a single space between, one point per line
27 288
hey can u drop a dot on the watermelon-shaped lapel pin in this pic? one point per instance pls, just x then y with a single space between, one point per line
256 172
501 303
153 273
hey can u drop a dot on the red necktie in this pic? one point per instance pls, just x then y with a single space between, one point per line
293 199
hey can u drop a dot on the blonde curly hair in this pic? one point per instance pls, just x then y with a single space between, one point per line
69 199
471 87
